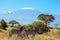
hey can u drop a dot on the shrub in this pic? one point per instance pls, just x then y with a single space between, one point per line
28 26
3 24
18 26
40 27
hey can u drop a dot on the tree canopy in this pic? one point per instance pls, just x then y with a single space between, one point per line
3 24
13 22
46 18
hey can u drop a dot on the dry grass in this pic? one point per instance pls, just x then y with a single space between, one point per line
54 34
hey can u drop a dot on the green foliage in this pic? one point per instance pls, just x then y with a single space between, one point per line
46 18
3 24
12 25
40 26
18 26
28 26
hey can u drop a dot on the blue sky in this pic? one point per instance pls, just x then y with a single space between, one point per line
49 6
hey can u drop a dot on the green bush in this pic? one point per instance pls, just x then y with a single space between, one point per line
28 26
3 24
40 26
18 26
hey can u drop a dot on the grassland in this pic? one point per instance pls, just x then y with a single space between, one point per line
54 34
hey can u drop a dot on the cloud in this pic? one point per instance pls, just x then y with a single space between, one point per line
27 8
9 12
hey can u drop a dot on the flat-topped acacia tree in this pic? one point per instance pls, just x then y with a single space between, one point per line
47 18
13 22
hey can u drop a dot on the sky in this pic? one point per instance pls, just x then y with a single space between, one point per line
49 6
46 6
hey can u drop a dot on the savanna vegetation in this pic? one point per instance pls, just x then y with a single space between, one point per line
40 28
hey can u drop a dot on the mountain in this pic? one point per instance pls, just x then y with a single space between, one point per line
26 16
22 16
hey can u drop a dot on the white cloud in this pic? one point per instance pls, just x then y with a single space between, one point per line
27 8
9 12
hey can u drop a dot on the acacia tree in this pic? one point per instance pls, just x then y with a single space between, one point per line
3 24
46 18
13 22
